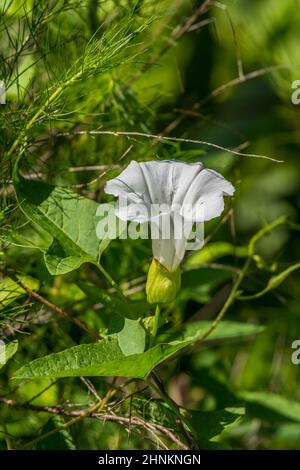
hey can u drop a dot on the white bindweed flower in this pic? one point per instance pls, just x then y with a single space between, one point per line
172 197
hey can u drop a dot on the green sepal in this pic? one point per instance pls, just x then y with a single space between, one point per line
162 285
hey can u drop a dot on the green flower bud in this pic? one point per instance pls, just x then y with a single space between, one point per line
162 285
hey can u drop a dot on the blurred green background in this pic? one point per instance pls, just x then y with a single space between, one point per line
224 77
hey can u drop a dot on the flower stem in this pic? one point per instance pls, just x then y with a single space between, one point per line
108 277
155 325
93 409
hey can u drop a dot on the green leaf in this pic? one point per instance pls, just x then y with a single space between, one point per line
226 330
58 261
209 378
271 407
26 71
198 284
273 283
70 218
132 337
106 358
155 410
7 351
10 290
213 251
209 425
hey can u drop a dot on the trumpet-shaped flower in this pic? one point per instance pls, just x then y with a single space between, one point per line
172 196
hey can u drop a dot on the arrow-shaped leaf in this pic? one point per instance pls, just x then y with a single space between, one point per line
106 358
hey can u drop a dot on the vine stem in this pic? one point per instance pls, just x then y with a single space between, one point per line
97 407
155 325
114 284
162 138
158 385
81 324
251 249
108 277
184 425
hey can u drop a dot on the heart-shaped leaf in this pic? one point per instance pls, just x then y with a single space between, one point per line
70 218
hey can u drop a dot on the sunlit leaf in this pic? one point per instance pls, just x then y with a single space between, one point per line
11 290
7 351
70 218
106 358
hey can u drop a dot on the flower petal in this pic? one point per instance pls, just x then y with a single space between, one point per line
154 182
143 184
206 193
169 253
170 245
